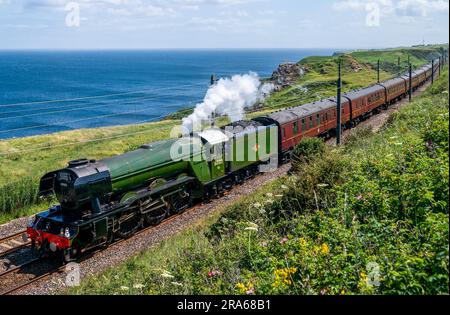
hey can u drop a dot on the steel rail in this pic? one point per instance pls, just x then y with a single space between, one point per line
12 239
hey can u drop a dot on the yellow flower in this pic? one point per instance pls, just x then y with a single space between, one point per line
325 249
247 289
283 277
303 243
240 286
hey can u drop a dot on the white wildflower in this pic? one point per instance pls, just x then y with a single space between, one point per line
166 274
177 284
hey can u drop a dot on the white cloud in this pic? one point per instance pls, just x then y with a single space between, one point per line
406 8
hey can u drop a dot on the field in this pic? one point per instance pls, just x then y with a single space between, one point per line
23 161
370 217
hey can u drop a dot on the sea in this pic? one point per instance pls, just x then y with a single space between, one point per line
42 92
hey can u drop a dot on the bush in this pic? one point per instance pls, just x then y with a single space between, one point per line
307 149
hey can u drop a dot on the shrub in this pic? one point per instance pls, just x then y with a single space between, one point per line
307 149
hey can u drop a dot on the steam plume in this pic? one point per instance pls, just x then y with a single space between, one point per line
230 96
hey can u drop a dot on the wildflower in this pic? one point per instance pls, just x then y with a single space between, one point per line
283 277
343 292
241 286
284 187
251 291
214 273
177 284
303 243
284 240
322 185
278 196
252 227
363 276
360 197
166 274
324 249
270 195
263 244
245 288
257 205
270 201
138 286
124 288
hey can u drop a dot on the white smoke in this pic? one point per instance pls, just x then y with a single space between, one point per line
230 96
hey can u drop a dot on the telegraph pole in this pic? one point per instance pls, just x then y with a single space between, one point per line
432 71
378 71
410 82
213 115
339 108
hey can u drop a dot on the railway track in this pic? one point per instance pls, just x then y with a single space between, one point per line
13 243
54 267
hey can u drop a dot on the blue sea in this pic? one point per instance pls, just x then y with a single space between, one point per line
48 91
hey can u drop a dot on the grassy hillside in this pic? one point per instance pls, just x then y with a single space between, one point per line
371 217
23 161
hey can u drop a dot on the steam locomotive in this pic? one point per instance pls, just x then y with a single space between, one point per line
100 201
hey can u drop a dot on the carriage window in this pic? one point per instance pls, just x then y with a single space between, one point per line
318 119
311 123
295 127
284 132
303 124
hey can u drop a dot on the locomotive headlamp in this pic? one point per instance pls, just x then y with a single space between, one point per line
67 232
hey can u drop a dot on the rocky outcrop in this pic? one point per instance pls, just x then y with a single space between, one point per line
287 74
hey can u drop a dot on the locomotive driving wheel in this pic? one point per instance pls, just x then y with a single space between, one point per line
179 202
129 224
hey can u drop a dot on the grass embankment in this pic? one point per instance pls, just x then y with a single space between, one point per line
370 217
23 161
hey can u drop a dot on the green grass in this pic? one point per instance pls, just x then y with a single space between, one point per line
24 160
370 217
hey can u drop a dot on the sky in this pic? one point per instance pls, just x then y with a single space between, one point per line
161 24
